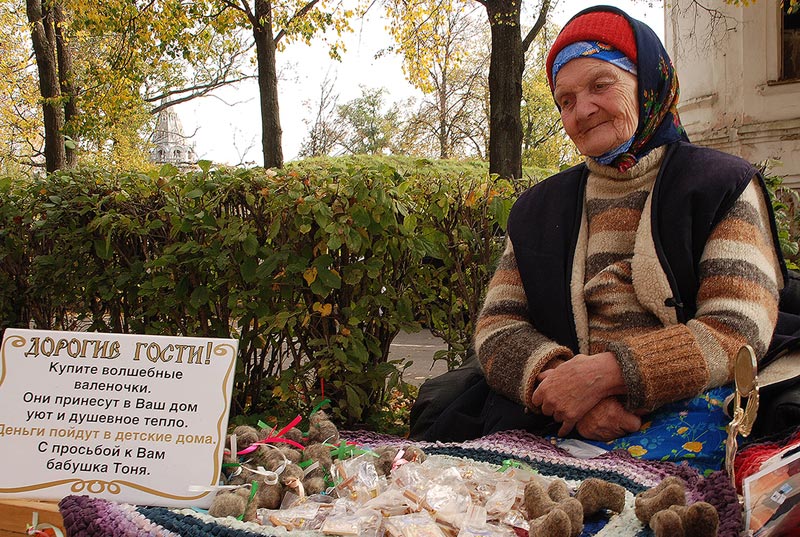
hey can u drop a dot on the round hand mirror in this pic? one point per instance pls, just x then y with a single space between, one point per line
746 370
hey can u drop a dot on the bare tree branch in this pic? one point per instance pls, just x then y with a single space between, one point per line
193 92
537 26
700 38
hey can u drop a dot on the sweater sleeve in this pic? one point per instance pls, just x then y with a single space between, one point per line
737 304
510 350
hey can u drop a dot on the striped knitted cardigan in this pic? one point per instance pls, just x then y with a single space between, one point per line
617 287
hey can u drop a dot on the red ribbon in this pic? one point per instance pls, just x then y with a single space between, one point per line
276 438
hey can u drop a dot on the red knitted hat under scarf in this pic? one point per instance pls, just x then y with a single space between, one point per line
603 26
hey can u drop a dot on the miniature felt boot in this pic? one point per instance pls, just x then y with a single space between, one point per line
320 454
554 524
294 434
245 435
322 430
291 454
671 491
269 496
319 457
558 490
697 520
386 455
596 494
235 503
667 523
292 475
574 511
314 485
540 503
701 520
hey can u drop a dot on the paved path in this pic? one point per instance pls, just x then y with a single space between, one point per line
419 348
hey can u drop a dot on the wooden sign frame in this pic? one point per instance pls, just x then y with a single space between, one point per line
132 418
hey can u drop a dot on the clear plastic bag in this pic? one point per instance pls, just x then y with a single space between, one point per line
413 525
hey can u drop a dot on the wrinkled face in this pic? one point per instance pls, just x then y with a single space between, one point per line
599 105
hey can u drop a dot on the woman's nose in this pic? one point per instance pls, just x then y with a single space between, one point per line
584 107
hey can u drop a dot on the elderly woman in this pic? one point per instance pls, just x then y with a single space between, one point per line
628 282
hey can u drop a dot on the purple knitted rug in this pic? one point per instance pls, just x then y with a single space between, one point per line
90 517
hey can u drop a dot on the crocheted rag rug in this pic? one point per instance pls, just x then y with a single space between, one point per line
91 517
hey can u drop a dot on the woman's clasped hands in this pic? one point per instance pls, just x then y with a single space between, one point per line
581 394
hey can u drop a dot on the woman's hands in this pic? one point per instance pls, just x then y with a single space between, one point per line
608 420
569 391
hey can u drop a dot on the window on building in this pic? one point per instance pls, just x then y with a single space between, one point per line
791 44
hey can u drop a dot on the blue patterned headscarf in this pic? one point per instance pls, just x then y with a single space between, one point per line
592 49
659 123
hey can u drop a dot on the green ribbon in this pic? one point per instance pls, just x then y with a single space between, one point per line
319 405
314 411
345 451
253 491
513 463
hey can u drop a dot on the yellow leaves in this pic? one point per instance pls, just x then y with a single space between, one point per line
474 196
431 36
20 121
544 145
294 21
310 275
322 309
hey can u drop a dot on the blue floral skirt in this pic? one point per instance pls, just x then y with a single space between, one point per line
691 430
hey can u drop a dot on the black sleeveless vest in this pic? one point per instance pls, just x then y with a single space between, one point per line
694 189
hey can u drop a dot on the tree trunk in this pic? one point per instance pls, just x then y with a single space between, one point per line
444 135
66 78
271 132
44 50
506 65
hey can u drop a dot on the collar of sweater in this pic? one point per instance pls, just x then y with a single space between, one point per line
645 166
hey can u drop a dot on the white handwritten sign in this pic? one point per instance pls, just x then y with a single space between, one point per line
130 418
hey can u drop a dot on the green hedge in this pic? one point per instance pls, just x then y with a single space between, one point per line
314 268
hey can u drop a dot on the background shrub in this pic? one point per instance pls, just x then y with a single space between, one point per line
314 268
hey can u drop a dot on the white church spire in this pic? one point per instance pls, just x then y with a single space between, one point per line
170 143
